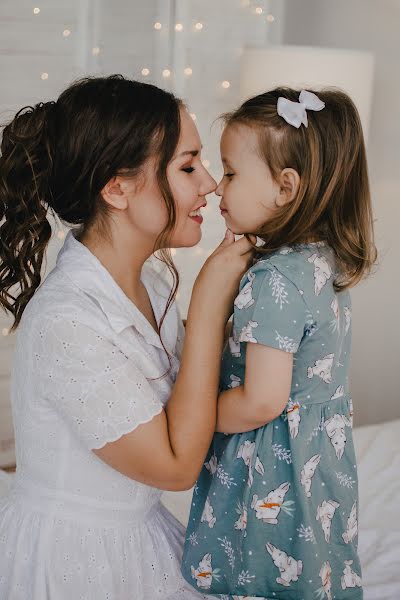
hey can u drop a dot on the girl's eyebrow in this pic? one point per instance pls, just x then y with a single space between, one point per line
226 162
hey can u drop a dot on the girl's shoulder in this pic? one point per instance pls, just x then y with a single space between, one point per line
301 264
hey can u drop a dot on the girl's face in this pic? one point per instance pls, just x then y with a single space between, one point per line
247 189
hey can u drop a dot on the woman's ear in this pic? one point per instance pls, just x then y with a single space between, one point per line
117 191
289 183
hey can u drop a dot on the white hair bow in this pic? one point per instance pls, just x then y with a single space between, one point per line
295 113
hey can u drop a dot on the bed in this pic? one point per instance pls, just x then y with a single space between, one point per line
378 451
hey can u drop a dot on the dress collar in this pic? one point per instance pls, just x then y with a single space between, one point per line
77 262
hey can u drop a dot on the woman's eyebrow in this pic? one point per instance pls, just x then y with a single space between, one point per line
190 152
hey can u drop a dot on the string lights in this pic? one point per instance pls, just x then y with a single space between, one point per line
254 7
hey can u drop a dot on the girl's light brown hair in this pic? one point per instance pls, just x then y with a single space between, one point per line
333 203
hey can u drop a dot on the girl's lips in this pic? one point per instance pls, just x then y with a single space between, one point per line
223 211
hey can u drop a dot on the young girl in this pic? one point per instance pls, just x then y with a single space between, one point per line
103 420
275 509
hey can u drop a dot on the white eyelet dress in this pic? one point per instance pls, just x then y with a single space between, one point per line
84 374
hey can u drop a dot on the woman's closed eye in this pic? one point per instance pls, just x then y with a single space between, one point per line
188 169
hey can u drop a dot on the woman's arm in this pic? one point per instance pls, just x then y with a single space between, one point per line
228 329
168 451
264 394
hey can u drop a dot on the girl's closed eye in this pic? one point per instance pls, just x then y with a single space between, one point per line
228 175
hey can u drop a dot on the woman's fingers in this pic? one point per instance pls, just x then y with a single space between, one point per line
228 239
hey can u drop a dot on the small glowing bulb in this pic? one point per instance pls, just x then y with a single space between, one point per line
166 73
188 71
179 27
5 332
96 51
206 163
36 11
157 26
259 10
270 18
199 26
66 33
226 84
60 235
44 76
193 116
173 252
145 72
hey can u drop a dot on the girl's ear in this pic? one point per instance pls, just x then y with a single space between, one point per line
117 191
289 183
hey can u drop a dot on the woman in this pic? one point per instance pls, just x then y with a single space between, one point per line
103 418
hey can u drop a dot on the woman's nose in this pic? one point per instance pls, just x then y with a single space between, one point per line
218 189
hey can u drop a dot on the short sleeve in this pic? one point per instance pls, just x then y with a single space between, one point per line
98 390
270 310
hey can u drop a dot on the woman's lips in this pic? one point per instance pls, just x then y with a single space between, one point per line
198 220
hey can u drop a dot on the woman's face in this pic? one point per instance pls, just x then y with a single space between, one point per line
189 182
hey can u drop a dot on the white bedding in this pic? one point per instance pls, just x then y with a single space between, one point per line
378 451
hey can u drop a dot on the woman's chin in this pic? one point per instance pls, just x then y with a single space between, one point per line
187 241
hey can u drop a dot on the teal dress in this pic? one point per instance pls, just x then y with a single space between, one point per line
275 510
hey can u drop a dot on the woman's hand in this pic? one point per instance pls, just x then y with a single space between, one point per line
217 284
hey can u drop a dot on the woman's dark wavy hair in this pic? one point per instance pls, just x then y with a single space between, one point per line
58 156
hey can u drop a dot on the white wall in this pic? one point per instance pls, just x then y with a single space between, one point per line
370 25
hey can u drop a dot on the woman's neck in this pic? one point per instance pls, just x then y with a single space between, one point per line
122 254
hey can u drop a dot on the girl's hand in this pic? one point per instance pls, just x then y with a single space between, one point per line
218 281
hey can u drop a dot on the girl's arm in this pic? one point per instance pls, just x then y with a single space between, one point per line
264 394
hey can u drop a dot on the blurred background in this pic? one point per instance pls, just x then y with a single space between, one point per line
214 53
